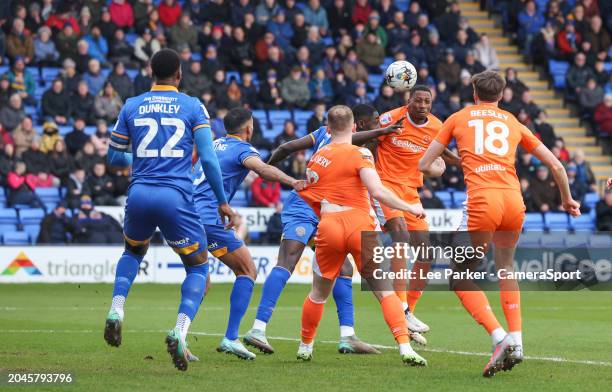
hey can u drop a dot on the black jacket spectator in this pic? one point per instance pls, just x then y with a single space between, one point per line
36 161
429 200
82 104
100 186
121 82
604 212
143 81
76 188
94 227
76 139
56 227
56 103
60 163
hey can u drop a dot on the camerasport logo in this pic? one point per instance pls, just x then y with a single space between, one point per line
21 262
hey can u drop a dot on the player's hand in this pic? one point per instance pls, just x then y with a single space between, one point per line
609 183
395 128
572 207
229 217
299 185
416 210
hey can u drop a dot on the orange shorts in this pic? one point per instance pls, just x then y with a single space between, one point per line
500 212
408 194
338 234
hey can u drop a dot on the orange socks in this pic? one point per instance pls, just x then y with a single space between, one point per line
312 313
417 284
477 304
511 304
394 316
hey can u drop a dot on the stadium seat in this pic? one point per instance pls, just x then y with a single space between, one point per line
5 228
31 216
48 195
375 80
8 216
556 221
590 199
32 231
234 74
533 222
458 199
2 198
558 70
446 198
16 238
582 223
240 199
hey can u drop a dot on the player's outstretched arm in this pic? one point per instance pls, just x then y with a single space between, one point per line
431 164
570 205
450 158
378 191
120 159
271 173
286 149
359 138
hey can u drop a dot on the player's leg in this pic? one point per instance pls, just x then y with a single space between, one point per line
241 263
138 228
361 248
181 227
343 297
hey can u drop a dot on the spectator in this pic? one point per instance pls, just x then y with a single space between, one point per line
577 188
435 51
97 44
69 76
527 196
66 42
218 11
316 48
146 46
5 137
413 50
7 161
317 119
23 135
578 75
359 96
120 50
603 115
5 89
45 53
287 135
82 56
448 23
76 139
339 18
240 9
56 105
108 103
544 191
300 30
50 136
466 91
101 138
85 21
604 212
353 68
371 52
94 227
233 94
12 114
265 193
241 52
265 10
590 97
514 82
55 227
107 27
22 81
281 29
144 80
485 53
169 12
529 106
343 88
270 92
315 15
100 186
564 155
526 166
94 77
429 200
361 12
386 100
320 87
412 16
35 160
62 18
248 90
34 20
19 42
76 184
274 229
461 46
530 22
294 89
568 41
597 36
21 187
194 82
82 104
584 173
509 103
184 33
60 163
545 131
122 14
121 82
472 65
211 63
602 76
449 70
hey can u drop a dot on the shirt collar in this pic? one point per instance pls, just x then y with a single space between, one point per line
163 87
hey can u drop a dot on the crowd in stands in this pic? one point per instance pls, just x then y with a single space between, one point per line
267 55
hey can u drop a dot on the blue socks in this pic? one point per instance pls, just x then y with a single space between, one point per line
343 296
192 290
127 269
239 303
271 291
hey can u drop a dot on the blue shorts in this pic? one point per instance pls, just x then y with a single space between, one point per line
299 220
173 211
221 241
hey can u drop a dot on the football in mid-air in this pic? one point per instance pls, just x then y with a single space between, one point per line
401 75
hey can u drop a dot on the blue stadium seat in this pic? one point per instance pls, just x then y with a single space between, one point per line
234 74
31 216
32 231
446 198
240 199
8 216
16 238
533 222
458 199
131 73
48 195
582 223
64 129
375 80
5 228
556 221
590 199
2 198
608 65
558 70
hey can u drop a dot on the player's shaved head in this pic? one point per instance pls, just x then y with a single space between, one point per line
340 119
165 64
237 119
488 86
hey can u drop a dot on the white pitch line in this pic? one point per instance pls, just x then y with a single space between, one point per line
283 338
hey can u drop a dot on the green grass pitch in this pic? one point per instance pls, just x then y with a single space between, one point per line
567 338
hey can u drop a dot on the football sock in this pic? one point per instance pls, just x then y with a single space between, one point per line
271 291
312 312
394 316
497 335
192 292
416 285
127 269
511 304
477 304
518 337
239 303
343 296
